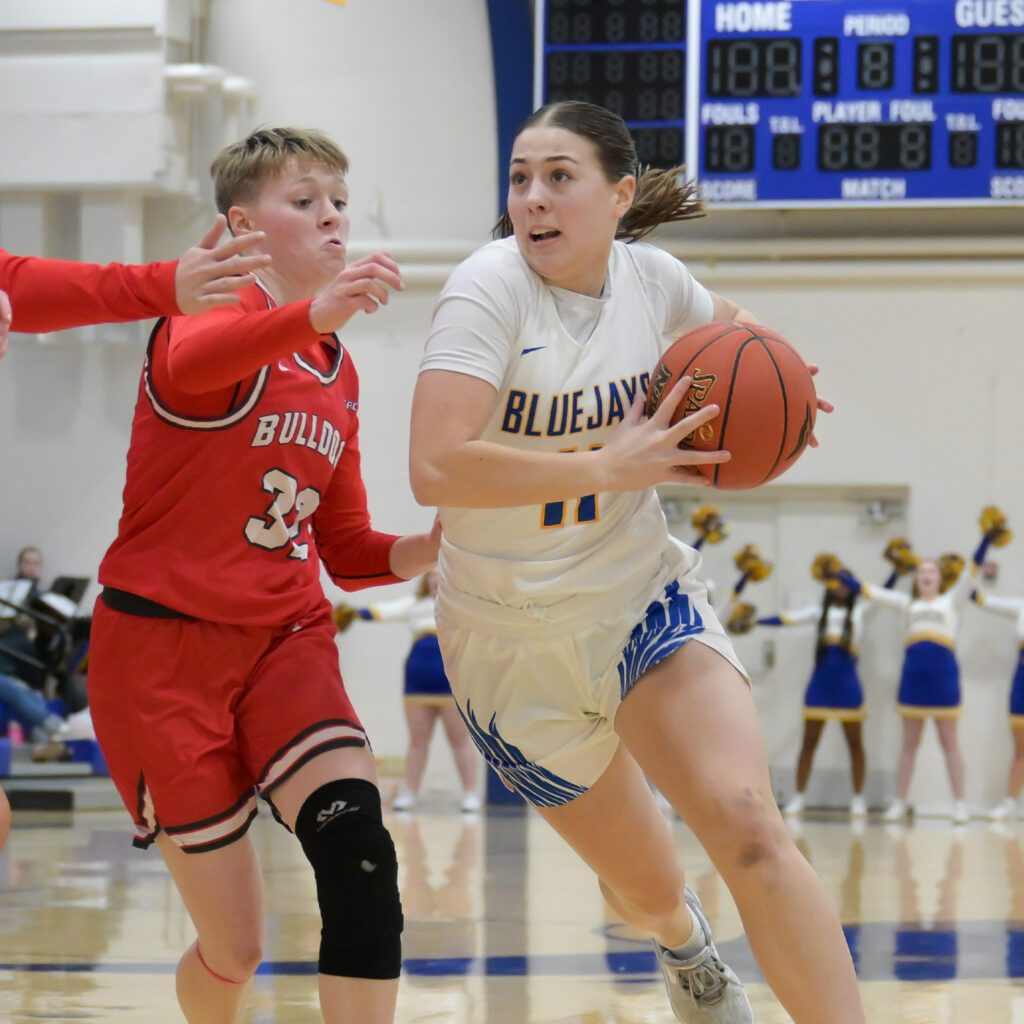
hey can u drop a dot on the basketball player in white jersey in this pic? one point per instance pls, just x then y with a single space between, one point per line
566 611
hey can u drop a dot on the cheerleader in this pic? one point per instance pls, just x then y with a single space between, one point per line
428 695
1013 608
930 680
834 692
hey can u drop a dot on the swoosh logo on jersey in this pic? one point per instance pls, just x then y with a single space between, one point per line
536 348
284 366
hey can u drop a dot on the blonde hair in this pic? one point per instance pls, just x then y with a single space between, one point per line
662 196
240 170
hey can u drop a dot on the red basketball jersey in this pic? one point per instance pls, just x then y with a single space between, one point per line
227 513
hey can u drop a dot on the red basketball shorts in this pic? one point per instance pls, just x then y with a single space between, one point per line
196 718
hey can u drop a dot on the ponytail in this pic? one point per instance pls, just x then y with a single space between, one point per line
662 197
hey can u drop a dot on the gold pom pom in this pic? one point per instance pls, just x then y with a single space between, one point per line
741 618
709 524
344 616
752 564
826 567
899 554
993 524
951 565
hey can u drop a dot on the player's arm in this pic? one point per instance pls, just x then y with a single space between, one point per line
451 465
355 555
54 295
878 595
800 617
1010 607
724 309
226 346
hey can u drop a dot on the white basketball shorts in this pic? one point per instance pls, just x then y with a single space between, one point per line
540 701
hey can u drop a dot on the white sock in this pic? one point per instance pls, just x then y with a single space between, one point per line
694 944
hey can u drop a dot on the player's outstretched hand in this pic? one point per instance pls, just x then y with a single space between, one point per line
209 274
6 315
365 285
824 405
642 453
416 553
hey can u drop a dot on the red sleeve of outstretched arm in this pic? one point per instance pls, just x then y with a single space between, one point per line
54 295
224 346
355 555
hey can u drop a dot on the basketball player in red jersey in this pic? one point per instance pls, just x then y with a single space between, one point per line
38 295
214 675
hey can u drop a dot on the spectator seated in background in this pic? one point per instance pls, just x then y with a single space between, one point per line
43 644
28 707
18 654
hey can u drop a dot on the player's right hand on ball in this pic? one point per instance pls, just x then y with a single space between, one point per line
365 286
645 452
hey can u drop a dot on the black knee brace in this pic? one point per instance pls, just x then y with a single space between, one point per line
353 858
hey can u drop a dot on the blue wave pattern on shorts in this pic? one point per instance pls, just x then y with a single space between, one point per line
541 787
666 626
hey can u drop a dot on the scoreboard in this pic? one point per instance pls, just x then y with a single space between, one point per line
805 102
627 55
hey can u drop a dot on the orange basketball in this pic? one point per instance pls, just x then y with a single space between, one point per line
763 389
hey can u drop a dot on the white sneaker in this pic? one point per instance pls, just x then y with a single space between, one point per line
795 807
78 727
1005 811
858 806
960 813
896 811
470 803
405 801
703 989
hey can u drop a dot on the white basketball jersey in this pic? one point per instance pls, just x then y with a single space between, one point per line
559 395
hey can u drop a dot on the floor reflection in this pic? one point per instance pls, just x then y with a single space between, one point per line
504 924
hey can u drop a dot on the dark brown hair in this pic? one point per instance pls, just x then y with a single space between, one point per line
662 196
846 641
240 170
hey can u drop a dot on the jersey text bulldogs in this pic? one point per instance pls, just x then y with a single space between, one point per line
301 429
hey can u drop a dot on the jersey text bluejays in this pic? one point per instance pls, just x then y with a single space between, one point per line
567 413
